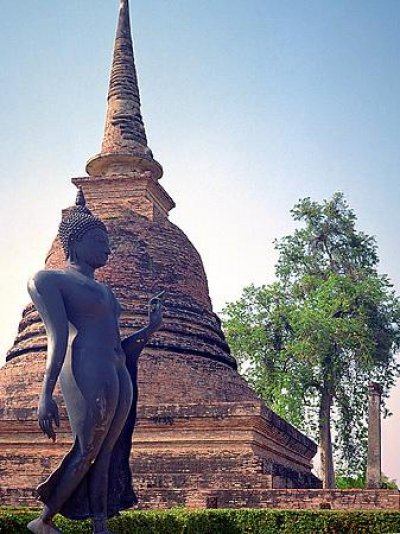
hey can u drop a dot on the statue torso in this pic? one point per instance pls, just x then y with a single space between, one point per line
92 311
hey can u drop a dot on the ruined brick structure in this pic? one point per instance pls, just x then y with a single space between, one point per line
203 436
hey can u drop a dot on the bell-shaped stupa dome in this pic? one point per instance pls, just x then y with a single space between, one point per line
203 436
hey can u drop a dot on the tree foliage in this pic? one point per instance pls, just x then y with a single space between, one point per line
310 342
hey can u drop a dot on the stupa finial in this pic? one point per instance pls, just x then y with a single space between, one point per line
124 28
124 148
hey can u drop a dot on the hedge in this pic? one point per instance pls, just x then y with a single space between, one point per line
244 521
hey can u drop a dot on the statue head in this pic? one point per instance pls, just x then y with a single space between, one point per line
83 236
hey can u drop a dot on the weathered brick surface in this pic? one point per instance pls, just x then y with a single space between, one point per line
138 192
200 426
306 499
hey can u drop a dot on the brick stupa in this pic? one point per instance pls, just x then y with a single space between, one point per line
203 436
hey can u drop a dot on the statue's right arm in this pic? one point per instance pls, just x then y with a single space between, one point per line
46 295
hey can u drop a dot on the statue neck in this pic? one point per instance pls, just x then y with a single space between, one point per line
81 268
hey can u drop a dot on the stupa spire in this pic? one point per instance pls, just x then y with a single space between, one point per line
124 149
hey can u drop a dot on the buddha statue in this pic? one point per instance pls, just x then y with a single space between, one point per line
97 372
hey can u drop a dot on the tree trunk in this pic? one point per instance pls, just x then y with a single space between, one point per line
325 441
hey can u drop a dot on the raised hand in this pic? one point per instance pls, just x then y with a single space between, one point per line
47 415
156 311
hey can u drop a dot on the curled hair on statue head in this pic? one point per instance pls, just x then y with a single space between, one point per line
76 223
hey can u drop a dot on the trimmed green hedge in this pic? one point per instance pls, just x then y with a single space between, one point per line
182 521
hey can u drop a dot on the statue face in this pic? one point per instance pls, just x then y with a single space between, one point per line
93 248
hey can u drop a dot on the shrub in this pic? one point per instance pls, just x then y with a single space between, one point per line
244 521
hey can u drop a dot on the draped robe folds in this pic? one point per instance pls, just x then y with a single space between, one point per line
121 495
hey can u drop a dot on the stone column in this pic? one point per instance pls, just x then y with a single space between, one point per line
374 436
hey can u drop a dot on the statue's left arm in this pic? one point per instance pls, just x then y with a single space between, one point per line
134 344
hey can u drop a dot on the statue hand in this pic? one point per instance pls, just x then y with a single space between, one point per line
47 414
156 311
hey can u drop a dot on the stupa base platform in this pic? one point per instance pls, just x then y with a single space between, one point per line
222 454
184 455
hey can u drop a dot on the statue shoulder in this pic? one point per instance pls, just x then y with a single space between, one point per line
45 279
45 290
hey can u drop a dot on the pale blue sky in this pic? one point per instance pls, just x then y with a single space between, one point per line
248 104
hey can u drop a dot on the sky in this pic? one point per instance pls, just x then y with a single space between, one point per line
249 105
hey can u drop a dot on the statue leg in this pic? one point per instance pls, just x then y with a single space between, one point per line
92 415
98 476
73 469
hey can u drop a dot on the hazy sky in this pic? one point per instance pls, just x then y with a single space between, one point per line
248 104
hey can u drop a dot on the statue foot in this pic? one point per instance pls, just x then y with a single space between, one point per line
38 526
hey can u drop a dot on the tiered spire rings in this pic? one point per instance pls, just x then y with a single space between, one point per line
124 149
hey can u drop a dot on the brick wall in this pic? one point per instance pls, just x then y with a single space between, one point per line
353 499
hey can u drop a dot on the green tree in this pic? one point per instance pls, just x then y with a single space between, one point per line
310 342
